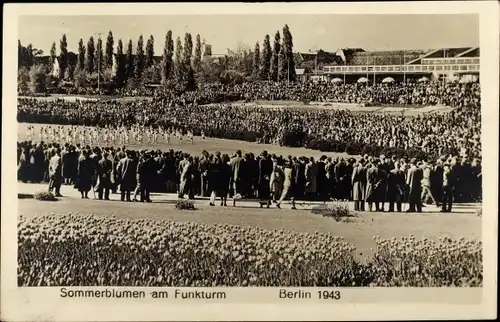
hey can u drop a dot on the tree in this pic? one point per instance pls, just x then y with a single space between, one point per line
139 58
81 56
150 51
89 60
247 62
69 73
26 55
210 71
99 57
275 58
288 65
167 63
72 65
178 57
151 74
188 49
23 79
109 50
265 59
256 61
37 79
119 63
129 61
63 56
20 54
53 54
197 54
187 77
29 55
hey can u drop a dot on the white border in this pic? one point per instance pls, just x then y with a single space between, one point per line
44 304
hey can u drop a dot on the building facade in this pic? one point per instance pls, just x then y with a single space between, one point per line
445 64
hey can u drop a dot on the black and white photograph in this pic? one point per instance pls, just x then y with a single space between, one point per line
305 153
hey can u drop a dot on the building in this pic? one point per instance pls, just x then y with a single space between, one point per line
445 64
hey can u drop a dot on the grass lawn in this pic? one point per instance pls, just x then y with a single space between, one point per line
210 145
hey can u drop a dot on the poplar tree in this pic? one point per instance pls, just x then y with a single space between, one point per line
167 63
90 58
109 50
197 54
256 61
120 64
275 58
288 63
53 54
139 58
178 58
265 59
63 56
188 73
150 51
99 57
129 61
80 66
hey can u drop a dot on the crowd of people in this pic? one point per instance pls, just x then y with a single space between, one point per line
331 130
410 93
371 182
416 144
108 135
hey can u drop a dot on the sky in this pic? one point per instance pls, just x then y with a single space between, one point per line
310 32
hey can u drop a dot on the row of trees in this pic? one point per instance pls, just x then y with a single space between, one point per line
181 65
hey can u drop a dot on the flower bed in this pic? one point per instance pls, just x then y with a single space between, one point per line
90 250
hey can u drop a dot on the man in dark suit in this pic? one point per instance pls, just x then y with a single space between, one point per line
414 182
437 182
147 175
396 187
126 170
203 168
321 179
385 168
330 177
299 177
104 169
253 173
372 179
39 163
476 177
265 170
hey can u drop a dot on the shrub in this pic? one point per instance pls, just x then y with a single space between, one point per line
338 210
45 196
183 204
87 250
37 79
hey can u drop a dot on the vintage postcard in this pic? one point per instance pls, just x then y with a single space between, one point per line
294 161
